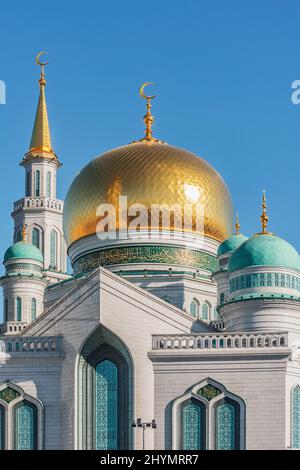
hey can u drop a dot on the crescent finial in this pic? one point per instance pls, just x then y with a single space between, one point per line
42 80
37 59
148 118
142 94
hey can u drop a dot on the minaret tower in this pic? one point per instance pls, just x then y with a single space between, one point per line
40 210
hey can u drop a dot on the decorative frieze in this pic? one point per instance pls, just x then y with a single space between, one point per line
146 254
249 281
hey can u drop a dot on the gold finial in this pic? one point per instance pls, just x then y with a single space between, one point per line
40 143
237 224
42 80
24 233
148 118
264 217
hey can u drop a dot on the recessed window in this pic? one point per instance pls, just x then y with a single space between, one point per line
36 237
19 308
194 308
37 183
53 249
33 309
48 184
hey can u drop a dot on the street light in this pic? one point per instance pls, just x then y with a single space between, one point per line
139 424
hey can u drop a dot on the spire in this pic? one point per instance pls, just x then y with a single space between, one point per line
237 224
41 139
148 118
264 217
40 144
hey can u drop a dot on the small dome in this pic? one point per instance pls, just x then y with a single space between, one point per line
231 244
264 250
23 250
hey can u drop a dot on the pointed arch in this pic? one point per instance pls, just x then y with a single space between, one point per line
223 417
104 390
24 418
194 308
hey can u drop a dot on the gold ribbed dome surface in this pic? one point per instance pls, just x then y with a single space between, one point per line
147 173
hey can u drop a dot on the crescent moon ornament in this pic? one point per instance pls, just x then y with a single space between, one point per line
37 59
142 94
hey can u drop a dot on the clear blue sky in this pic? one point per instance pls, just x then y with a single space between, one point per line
223 72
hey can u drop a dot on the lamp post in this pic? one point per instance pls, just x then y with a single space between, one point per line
139 424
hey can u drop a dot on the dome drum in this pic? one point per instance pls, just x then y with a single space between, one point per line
264 280
131 254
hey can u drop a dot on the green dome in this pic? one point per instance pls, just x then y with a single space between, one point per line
231 244
23 250
264 250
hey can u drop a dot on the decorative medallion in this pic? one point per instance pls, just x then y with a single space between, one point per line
209 392
8 394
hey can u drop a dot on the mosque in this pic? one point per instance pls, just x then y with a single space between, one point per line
157 339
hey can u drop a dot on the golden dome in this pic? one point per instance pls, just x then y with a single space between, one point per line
147 173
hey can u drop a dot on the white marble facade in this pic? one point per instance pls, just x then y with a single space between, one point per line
212 360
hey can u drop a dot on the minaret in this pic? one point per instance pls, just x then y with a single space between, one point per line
23 285
40 210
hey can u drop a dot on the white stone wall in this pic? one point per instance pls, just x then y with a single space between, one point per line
263 315
134 315
40 378
130 313
256 378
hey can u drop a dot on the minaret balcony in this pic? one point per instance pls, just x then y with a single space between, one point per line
38 203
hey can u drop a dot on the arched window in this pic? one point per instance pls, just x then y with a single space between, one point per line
36 237
33 309
296 417
194 308
5 310
26 426
28 183
106 406
216 313
225 426
53 249
222 298
48 184
193 425
205 312
37 183
19 308
24 416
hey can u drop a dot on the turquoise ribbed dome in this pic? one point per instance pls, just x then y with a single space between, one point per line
23 250
264 250
231 244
